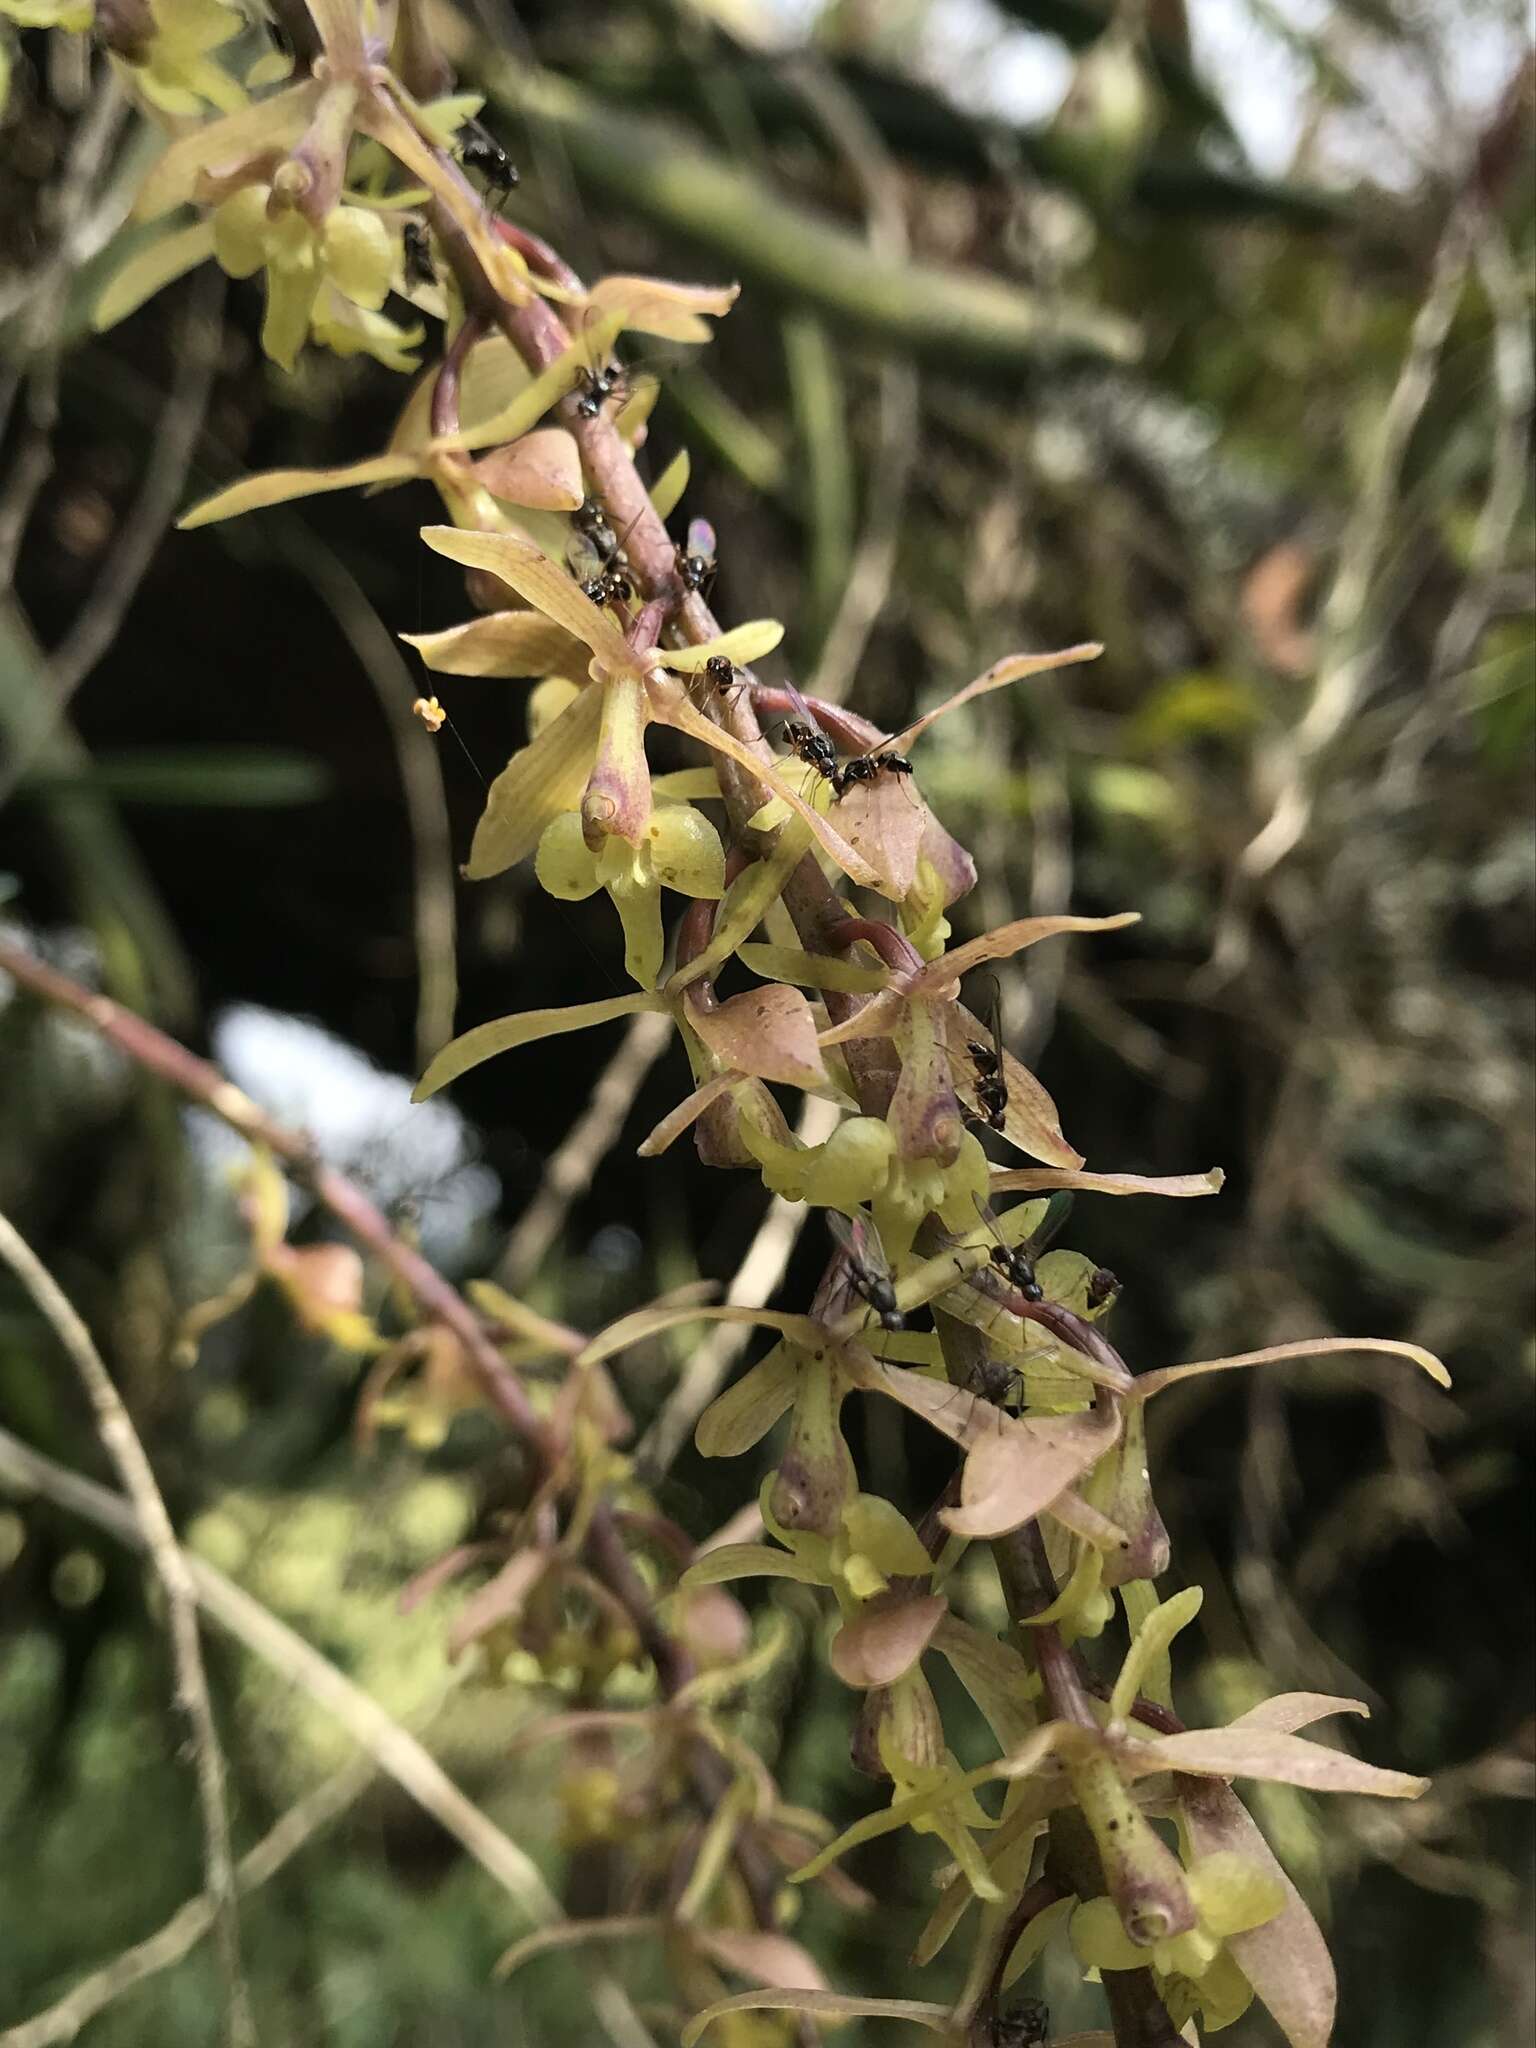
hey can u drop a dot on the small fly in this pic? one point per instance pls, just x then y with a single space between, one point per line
1016 1262
987 1059
590 520
1028 2025
480 151
602 583
807 740
869 1271
416 257
696 565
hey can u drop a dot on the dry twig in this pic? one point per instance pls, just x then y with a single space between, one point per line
394 1749
158 1539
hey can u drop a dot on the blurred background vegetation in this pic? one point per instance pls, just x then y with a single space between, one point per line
1204 332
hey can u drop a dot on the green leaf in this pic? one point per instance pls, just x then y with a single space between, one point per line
223 778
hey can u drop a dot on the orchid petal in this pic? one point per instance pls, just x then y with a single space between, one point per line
732 1561
1012 1476
539 782
1010 670
769 1031
512 643
742 645
1032 1180
650 1322
539 582
542 469
280 486
1150 1383
522 1028
743 1415
823 2004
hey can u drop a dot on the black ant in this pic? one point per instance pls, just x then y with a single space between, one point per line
597 387
991 1085
869 1272
611 587
721 672
480 151
417 256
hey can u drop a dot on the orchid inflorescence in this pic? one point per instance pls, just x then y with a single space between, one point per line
1116 1829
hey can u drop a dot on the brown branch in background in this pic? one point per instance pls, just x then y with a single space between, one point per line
36 348
868 583
569 1169
200 1081
394 1749
158 1539
421 779
1343 650
754 1283
170 1944
172 443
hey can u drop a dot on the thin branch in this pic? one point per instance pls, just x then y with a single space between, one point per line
421 779
1508 480
396 1752
570 1167
168 1946
755 1281
121 1442
142 527
36 349
1343 663
868 583
200 1081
